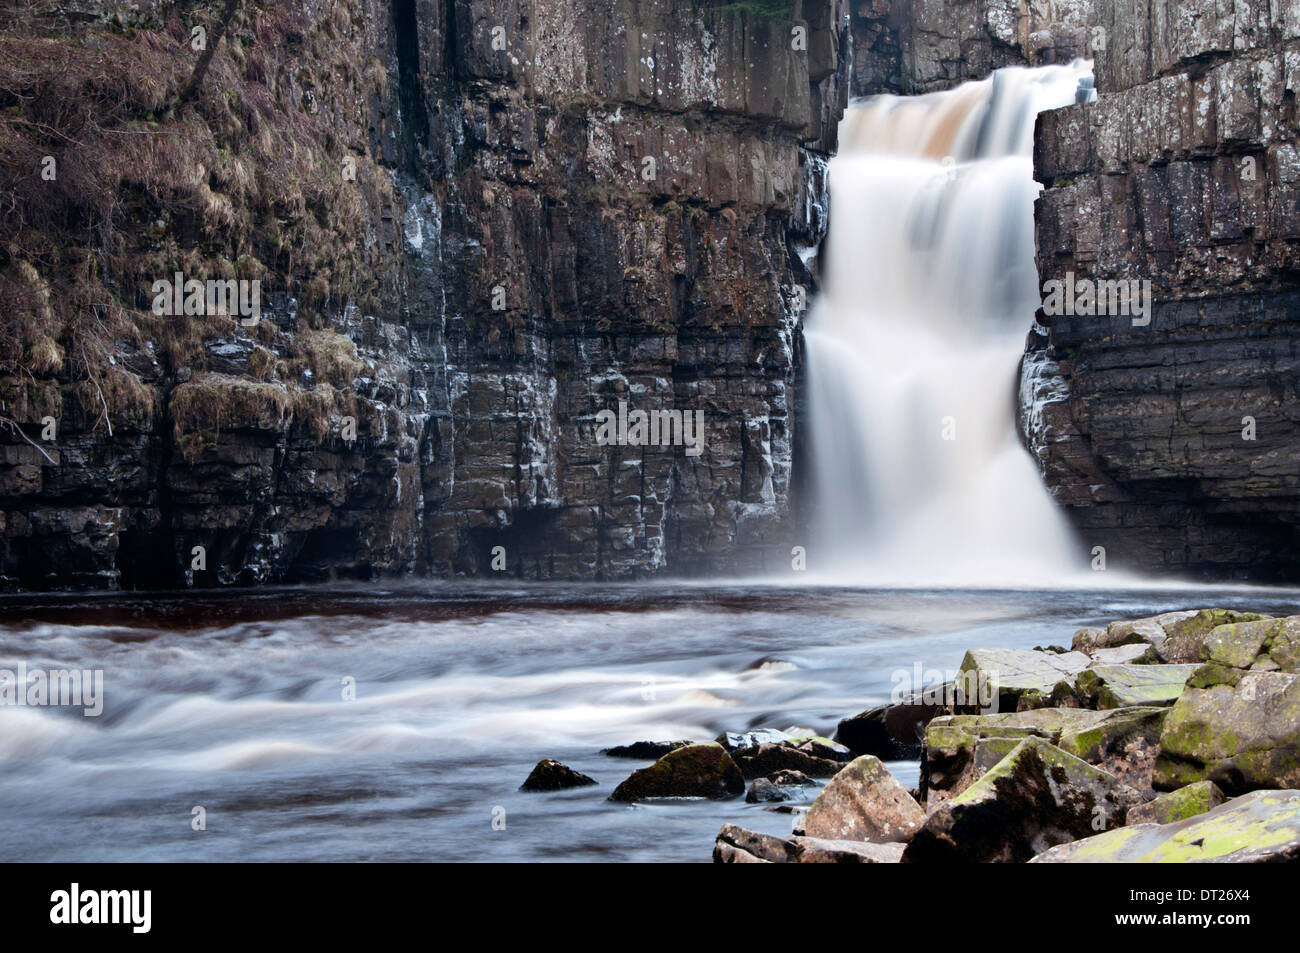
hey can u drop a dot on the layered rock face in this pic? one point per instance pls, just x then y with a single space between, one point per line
1170 437
477 226
920 46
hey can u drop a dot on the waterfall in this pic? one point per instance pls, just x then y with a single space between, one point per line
914 346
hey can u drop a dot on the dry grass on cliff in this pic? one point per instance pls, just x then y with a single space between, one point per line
244 182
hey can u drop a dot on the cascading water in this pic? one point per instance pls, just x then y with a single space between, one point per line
915 344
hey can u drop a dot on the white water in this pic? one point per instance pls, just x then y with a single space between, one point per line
914 348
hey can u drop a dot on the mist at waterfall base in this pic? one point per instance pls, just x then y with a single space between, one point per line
915 343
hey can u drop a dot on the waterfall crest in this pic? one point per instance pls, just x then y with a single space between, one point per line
914 345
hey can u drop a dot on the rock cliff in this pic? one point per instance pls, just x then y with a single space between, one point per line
1171 437
476 226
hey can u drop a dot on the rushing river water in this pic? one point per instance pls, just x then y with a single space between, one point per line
234 702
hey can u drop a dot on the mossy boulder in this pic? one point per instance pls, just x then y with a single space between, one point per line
961 748
1036 797
998 677
644 750
1270 645
1150 630
1260 827
863 802
551 775
1118 686
705 771
1178 805
1240 730
1186 638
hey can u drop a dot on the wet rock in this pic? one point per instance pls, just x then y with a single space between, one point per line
1006 674
741 740
764 791
1240 730
704 770
820 747
1178 805
1260 827
1117 686
863 802
1036 797
763 760
892 732
788 778
551 775
644 750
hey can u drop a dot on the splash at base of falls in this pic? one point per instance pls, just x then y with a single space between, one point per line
914 348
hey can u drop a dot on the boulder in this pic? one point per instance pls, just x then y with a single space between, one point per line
1135 654
1117 686
891 733
737 845
764 791
761 761
1178 805
1269 645
1001 676
1186 637
704 770
1036 797
551 775
1149 631
961 748
816 850
644 750
863 802
1260 827
1240 730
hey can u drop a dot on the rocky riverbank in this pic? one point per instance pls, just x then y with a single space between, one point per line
1173 738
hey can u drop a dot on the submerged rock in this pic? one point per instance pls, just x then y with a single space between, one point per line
1260 827
1036 797
644 750
704 770
551 775
1178 805
1240 730
789 778
863 802
766 758
764 791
